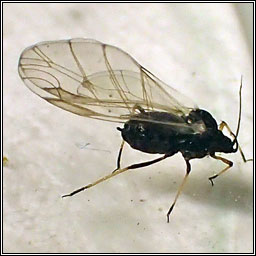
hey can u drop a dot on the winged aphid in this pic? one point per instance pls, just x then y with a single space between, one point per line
100 81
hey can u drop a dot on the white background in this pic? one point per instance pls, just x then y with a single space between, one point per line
199 49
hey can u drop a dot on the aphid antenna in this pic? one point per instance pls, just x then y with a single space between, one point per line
238 125
239 115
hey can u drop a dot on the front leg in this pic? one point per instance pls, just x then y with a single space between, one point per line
221 127
224 160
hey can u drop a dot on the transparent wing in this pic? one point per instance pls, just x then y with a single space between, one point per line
96 80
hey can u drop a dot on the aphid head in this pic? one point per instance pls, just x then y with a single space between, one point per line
223 144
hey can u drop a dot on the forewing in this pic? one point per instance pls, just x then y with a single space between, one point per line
96 80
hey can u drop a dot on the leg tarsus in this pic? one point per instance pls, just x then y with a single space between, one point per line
169 212
77 191
212 178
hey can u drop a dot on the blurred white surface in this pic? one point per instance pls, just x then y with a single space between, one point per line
200 49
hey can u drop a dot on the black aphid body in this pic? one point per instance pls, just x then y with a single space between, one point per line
96 80
157 135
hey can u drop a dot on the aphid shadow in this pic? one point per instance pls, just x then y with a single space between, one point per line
229 192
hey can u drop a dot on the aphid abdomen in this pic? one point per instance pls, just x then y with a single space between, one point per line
151 133
147 139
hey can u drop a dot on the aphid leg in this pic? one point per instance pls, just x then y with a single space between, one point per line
179 190
221 127
226 161
135 107
119 156
130 167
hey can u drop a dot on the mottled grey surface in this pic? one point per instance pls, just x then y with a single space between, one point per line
199 49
